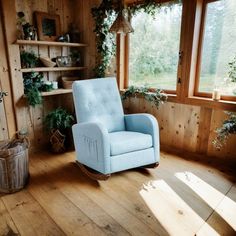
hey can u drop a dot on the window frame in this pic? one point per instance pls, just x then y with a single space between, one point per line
190 39
126 56
199 57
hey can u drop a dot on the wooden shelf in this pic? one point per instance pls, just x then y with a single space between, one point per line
50 43
56 92
46 69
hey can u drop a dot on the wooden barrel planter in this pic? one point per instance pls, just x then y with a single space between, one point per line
14 165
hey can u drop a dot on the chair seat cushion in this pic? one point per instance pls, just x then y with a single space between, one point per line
126 141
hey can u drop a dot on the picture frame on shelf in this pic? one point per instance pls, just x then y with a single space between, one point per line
48 25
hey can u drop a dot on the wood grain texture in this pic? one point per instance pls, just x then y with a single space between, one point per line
187 128
7 226
7 114
27 117
178 198
29 216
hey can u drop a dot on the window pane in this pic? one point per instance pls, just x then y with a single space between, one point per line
154 48
219 47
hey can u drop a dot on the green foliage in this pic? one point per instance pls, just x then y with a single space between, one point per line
28 59
148 6
33 85
2 94
228 127
33 96
158 54
157 96
104 15
105 41
58 119
232 70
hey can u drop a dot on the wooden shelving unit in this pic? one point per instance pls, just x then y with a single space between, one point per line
51 69
50 43
48 69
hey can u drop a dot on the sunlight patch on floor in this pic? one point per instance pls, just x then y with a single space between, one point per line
171 211
222 204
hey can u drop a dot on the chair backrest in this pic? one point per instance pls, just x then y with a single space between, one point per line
99 100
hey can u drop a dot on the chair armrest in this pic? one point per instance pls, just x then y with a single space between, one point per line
92 145
144 123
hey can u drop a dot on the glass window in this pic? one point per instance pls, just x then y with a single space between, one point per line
154 48
218 48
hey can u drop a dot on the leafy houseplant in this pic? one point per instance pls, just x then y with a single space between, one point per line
228 127
157 96
24 29
28 59
33 85
58 122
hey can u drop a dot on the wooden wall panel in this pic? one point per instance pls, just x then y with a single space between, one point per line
85 23
187 128
28 117
229 150
7 114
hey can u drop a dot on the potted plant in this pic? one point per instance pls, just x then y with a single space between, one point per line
28 59
156 96
58 122
228 128
33 85
24 29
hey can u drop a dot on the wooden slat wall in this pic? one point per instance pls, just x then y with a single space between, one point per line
187 128
85 23
7 118
29 117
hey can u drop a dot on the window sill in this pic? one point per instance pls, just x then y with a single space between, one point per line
201 101
208 102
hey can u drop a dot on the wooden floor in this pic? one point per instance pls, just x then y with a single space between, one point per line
178 198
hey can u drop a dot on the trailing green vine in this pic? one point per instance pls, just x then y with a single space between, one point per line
228 127
105 42
232 70
156 97
104 15
33 86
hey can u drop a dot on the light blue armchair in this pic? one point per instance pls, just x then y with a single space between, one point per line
105 139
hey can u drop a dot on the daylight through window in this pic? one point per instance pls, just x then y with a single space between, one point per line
218 49
154 48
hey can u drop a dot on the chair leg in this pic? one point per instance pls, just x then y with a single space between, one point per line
154 165
93 174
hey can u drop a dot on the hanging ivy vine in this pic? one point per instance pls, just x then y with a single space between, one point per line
104 15
228 128
105 42
156 97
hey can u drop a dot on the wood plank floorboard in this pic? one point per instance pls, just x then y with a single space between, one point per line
180 197
7 226
29 216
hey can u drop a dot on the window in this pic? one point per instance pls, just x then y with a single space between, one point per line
218 49
154 48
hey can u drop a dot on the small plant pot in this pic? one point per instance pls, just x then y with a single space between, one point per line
57 141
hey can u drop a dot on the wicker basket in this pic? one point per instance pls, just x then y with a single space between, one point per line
14 167
57 141
68 81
